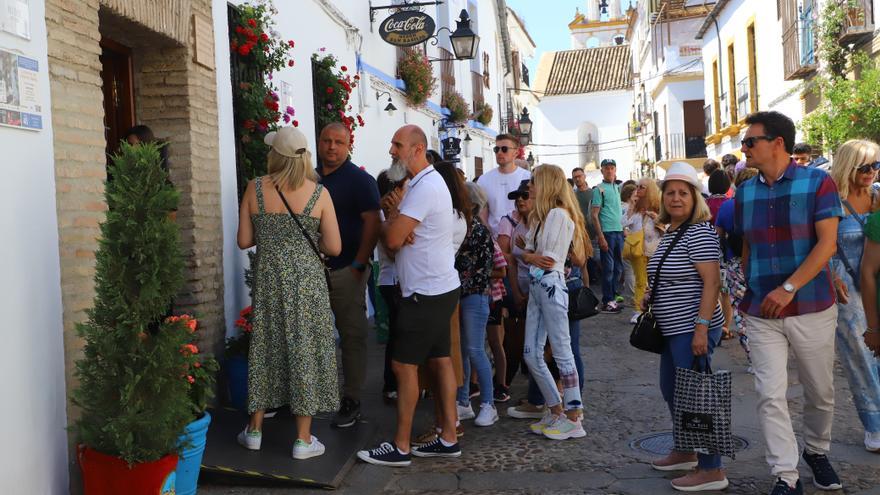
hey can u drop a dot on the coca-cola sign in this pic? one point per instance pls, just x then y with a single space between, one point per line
407 28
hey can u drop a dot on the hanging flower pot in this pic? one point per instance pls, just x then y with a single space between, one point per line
193 441
107 475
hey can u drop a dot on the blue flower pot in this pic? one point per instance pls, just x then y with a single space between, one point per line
194 436
237 376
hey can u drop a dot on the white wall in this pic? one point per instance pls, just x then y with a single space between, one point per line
558 119
32 415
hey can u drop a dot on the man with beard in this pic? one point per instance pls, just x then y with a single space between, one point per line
356 201
419 232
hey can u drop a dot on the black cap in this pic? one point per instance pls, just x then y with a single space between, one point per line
521 191
609 161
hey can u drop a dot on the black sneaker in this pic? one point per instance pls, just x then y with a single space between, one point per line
824 476
348 413
782 488
501 393
437 449
386 454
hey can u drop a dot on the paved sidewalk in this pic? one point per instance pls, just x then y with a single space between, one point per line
623 403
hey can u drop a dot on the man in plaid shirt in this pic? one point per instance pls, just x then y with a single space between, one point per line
788 217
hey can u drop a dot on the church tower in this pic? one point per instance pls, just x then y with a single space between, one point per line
604 24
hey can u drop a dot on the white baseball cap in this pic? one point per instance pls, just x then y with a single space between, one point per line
287 141
684 172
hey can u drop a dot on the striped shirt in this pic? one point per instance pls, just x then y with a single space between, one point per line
779 223
678 291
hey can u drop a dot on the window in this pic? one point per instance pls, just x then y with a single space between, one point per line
478 166
447 72
477 88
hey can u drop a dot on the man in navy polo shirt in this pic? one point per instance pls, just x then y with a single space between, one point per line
356 200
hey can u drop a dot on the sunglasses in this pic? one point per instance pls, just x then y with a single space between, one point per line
751 141
523 196
641 186
869 167
503 149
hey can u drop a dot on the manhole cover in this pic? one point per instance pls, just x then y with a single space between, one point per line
661 443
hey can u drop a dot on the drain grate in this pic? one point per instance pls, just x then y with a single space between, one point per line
661 443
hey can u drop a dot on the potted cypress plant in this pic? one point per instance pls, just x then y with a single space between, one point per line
133 389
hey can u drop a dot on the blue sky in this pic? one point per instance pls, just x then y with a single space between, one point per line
548 26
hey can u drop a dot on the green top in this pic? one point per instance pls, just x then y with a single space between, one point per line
607 197
872 232
585 201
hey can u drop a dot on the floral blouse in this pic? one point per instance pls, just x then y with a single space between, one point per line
474 260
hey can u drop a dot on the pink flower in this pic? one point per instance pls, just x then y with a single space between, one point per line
190 379
289 110
323 49
286 118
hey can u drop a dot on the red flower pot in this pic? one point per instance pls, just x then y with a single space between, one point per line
107 475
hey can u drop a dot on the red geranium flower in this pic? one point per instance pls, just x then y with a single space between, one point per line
329 91
344 68
296 123
291 43
264 37
290 63
252 23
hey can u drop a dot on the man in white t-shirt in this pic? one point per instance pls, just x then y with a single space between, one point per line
501 181
419 233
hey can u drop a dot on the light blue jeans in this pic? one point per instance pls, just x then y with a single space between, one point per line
547 319
474 311
861 367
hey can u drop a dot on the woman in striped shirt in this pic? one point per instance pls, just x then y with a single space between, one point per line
686 306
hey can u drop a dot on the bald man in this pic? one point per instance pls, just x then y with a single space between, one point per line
419 233
355 197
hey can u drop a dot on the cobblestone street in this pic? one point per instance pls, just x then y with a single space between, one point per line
623 403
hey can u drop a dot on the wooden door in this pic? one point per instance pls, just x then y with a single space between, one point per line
116 76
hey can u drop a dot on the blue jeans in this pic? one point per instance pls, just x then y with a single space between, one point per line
474 311
612 265
677 353
547 319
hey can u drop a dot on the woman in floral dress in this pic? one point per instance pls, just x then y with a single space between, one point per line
292 355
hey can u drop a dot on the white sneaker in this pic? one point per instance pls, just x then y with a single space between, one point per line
538 428
465 412
635 317
563 428
488 415
872 441
302 450
250 440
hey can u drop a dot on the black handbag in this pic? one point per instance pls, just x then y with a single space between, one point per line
308 238
582 303
646 334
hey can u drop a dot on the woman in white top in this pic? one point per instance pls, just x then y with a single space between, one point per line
642 233
556 228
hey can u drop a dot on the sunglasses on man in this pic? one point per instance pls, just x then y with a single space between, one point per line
751 141
503 149
869 167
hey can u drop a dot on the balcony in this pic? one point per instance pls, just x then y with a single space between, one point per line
742 98
709 119
679 146
798 39
724 107
858 23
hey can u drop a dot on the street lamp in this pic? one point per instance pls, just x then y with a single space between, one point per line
531 160
525 123
465 43
390 108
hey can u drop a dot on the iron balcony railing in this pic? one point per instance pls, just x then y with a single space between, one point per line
709 119
724 106
679 145
742 98
798 38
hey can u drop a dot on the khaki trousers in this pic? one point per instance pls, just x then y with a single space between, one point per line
349 305
811 338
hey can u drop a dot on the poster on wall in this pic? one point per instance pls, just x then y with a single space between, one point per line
15 17
19 92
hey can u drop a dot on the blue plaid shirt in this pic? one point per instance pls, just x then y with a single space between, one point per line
778 222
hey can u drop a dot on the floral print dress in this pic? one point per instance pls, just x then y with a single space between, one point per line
292 357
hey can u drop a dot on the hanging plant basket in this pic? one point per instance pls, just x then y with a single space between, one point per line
418 75
484 113
457 106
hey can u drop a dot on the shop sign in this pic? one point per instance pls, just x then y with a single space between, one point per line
407 28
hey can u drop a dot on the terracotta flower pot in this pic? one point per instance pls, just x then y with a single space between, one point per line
107 475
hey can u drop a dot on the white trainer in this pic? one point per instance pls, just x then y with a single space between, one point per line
465 412
250 440
488 415
872 441
302 450
538 428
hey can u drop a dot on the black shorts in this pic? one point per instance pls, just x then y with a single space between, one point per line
495 317
423 327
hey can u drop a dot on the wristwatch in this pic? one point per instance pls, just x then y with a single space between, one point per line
788 287
357 265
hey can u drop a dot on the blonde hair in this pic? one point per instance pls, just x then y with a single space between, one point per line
555 192
699 214
651 199
848 158
290 172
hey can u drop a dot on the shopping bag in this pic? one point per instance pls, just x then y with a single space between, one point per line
701 410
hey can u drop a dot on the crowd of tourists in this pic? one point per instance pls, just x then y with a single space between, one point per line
777 254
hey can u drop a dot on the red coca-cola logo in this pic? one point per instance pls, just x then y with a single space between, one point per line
407 28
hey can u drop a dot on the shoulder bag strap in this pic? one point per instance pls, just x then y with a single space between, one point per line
678 235
306 234
852 210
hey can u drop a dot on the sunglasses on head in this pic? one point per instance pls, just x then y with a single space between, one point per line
751 141
503 149
869 167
